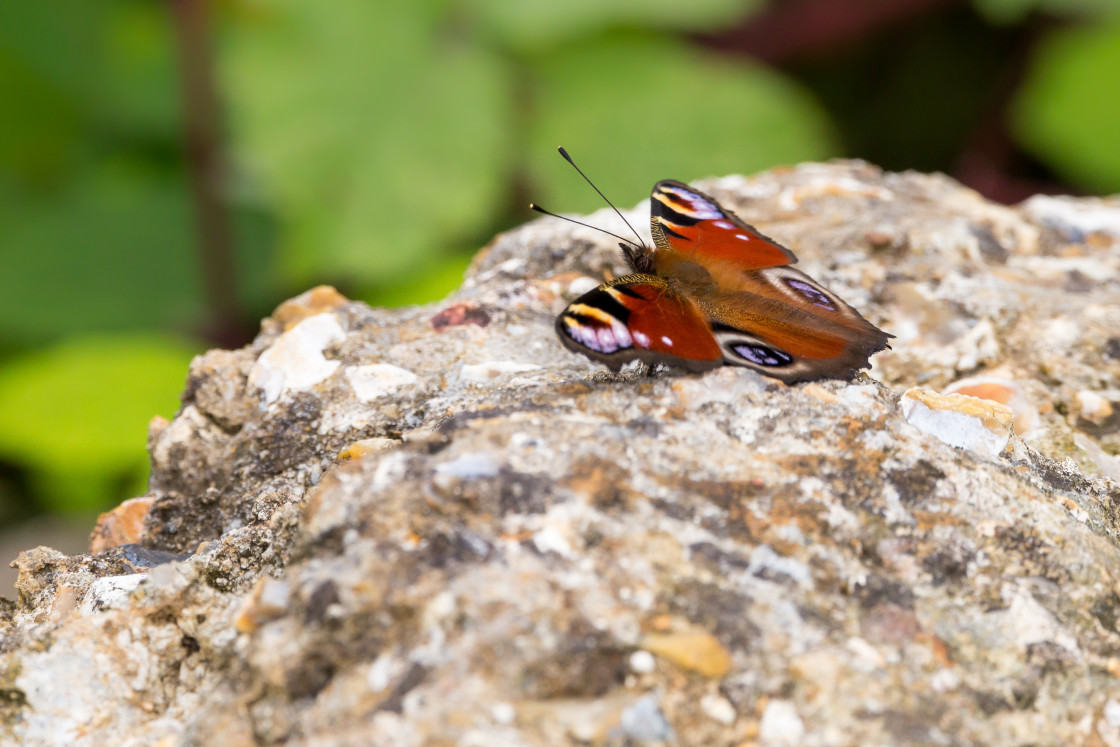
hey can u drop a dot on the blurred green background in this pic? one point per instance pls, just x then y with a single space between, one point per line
170 171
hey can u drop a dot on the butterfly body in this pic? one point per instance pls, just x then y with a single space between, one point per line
714 291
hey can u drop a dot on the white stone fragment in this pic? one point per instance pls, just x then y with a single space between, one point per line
109 592
377 380
642 662
1111 713
645 722
1026 622
945 680
295 362
1082 214
763 557
503 713
274 595
1057 268
482 372
718 708
780 724
550 539
1102 460
582 285
384 669
979 344
982 426
1094 408
866 657
469 465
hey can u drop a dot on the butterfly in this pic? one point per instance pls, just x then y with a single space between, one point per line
715 291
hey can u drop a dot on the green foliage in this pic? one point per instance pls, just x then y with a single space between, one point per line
633 109
529 26
108 250
92 236
1013 11
375 129
76 413
1068 113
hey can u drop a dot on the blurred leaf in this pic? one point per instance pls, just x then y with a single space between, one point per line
1067 112
112 60
633 110
1014 11
37 135
57 39
138 90
379 133
76 414
528 25
113 250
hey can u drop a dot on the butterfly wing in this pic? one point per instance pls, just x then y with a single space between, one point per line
783 323
689 221
763 313
639 317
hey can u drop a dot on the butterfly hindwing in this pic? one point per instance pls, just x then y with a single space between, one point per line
686 220
639 317
785 310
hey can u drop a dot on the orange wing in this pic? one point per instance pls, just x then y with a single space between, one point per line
689 221
639 317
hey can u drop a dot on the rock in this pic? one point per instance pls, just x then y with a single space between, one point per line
122 526
644 721
1003 391
979 425
1093 407
295 362
780 724
436 526
377 380
696 651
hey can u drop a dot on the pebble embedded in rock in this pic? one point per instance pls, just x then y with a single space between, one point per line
376 380
295 362
645 722
1094 408
481 372
121 526
696 651
977 425
780 726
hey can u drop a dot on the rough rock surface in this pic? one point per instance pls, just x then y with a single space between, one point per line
436 526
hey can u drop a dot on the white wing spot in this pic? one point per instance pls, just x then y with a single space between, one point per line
742 236
666 340
642 339
725 224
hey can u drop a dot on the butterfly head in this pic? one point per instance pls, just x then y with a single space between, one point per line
638 256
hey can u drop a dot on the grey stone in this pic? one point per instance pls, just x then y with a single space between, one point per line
433 525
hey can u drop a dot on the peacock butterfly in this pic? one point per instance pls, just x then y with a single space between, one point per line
714 291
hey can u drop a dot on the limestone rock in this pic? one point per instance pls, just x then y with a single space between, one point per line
434 525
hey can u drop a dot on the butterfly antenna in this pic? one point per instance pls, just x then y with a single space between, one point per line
539 209
586 179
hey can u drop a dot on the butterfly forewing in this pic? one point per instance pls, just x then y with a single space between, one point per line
689 221
639 317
